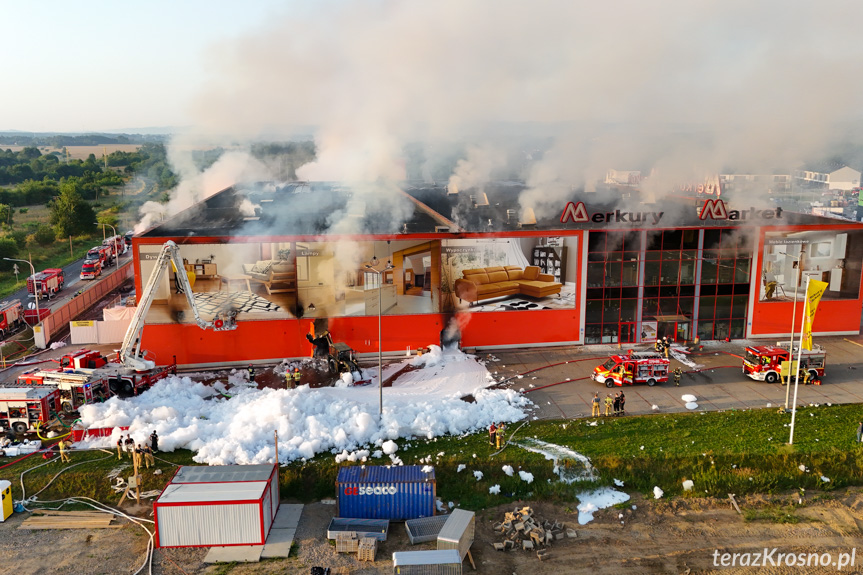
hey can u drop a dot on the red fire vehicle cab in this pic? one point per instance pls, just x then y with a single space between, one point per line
764 362
91 269
637 367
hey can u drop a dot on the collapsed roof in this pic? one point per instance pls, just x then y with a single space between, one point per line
328 208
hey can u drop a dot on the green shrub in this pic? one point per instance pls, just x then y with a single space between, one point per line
44 235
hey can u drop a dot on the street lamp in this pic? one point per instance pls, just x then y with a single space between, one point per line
35 283
113 229
380 338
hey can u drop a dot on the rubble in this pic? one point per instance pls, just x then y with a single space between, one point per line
521 528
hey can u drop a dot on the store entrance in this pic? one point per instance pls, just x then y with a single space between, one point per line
627 333
675 328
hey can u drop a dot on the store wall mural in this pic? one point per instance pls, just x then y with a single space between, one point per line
507 274
790 258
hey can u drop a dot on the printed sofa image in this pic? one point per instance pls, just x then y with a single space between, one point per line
487 283
277 276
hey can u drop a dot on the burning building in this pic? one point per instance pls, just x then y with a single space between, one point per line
283 256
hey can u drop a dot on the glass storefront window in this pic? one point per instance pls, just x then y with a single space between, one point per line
669 283
651 273
670 272
628 309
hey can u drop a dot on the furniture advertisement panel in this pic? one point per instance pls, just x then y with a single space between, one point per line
508 274
790 258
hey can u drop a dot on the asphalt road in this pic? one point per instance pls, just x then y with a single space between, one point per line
74 283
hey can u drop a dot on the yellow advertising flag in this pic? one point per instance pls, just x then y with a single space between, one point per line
814 290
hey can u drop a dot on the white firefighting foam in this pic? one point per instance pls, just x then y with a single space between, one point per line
425 402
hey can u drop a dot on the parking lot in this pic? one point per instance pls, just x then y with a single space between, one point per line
718 382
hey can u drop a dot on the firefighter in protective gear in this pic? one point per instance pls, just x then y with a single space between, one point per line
499 434
608 403
677 373
251 373
120 448
658 346
148 456
64 457
295 376
595 405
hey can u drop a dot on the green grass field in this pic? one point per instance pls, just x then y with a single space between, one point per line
721 452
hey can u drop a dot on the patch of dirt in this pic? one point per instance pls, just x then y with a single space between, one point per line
664 536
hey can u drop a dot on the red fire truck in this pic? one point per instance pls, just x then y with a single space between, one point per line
764 362
76 388
22 408
638 367
83 358
11 318
117 245
91 269
82 385
47 283
104 254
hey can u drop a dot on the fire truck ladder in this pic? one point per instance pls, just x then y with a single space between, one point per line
130 353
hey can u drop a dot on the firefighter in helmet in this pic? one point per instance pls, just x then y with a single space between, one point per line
677 373
295 377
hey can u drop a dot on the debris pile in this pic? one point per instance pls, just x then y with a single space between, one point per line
524 530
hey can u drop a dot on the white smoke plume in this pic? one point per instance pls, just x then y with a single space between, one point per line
693 88
477 169
197 185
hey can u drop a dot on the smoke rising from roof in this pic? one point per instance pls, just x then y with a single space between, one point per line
688 88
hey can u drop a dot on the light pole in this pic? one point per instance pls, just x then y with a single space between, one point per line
35 283
117 256
380 337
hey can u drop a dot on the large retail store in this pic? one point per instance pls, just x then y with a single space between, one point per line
591 273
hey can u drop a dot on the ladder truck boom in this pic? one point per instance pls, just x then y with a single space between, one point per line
130 354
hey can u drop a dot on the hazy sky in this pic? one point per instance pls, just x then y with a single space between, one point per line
99 65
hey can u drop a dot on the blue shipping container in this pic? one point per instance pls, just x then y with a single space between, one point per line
381 492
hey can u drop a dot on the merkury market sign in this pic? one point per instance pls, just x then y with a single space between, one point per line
577 212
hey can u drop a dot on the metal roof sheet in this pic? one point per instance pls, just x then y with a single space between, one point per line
25 392
384 474
212 492
442 557
459 520
223 473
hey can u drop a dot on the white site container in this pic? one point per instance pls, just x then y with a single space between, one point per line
444 562
219 505
458 532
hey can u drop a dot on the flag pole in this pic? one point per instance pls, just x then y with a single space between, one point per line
799 359
793 320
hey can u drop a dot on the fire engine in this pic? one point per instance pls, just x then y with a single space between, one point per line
83 358
638 367
764 362
117 245
23 408
47 283
80 386
91 269
102 253
76 388
11 318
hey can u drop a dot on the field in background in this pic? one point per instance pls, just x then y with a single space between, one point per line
82 152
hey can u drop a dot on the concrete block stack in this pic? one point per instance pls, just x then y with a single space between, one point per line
522 529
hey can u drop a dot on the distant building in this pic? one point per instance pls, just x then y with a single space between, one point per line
770 183
829 178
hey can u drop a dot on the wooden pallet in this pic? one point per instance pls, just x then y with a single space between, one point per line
45 519
367 548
